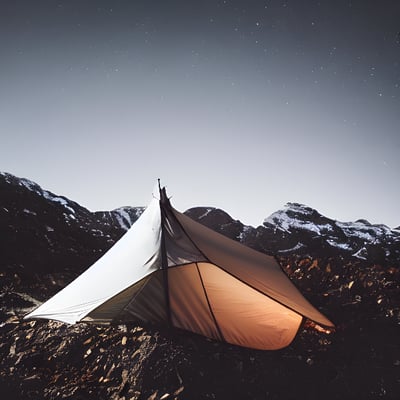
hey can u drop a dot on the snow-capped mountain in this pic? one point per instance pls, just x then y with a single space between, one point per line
42 219
298 229
40 228
308 228
123 217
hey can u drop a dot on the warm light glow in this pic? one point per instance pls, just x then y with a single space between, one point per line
312 325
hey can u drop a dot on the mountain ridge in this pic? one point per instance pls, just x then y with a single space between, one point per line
294 205
294 227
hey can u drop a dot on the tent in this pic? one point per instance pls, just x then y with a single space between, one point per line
168 269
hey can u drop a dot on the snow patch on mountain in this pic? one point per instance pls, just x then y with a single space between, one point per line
245 232
362 254
207 211
59 200
292 217
363 230
124 218
34 187
26 211
343 246
298 246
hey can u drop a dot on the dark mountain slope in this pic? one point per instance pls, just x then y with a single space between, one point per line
349 270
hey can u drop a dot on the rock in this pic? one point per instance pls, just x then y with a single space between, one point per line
47 240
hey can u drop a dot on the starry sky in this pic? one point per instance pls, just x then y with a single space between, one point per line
242 105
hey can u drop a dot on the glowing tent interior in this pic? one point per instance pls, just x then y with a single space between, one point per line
169 269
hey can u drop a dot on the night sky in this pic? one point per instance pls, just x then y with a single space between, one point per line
243 105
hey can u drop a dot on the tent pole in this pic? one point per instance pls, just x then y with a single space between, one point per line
164 261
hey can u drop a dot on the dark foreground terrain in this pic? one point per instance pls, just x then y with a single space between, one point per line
350 271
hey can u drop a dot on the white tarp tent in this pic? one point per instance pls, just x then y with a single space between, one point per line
169 269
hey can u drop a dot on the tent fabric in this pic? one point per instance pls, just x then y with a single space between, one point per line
224 308
180 249
189 304
258 270
134 256
245 315
142 301
169 269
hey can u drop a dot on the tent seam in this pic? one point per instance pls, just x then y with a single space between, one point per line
260 291
209 305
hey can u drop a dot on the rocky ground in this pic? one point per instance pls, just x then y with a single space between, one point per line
360 292
361 359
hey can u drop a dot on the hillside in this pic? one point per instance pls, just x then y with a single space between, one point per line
349 270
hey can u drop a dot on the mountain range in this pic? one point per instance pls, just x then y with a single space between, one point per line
350 270
47 220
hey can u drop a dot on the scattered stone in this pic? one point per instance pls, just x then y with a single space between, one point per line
50 360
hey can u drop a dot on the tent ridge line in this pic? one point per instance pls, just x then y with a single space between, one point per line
209 305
